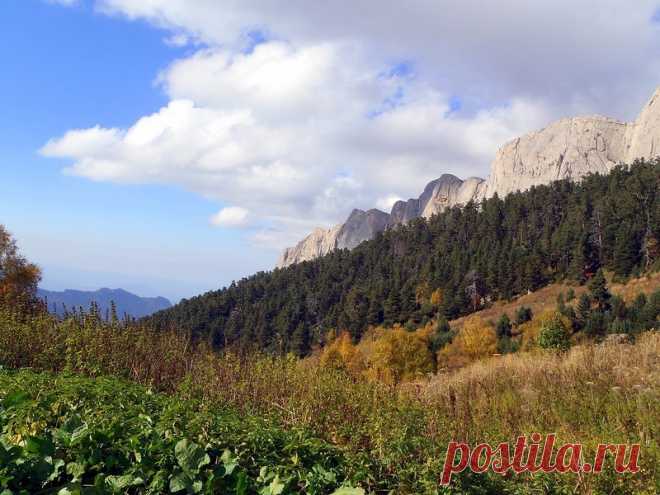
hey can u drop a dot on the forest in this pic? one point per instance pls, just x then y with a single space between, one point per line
451 265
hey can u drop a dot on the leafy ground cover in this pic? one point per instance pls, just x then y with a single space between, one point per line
70 434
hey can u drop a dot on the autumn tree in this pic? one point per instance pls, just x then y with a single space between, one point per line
18 277
477 339
400 355
342 354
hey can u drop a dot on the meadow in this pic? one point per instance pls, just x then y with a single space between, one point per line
294 426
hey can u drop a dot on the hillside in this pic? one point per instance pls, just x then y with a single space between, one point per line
455 263
125 302
545 299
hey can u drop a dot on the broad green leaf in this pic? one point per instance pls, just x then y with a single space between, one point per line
229 461
190 456
40 446
79 433
276 487
120 483
346 490
58 464
180 482
76 470
15 399
242 484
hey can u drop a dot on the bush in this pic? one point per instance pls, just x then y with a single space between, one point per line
554 335
523 315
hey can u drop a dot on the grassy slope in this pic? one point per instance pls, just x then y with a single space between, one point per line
546 298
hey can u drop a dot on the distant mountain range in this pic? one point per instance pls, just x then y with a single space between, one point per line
126 302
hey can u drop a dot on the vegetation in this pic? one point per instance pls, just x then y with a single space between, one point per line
455 263
374 435
68 434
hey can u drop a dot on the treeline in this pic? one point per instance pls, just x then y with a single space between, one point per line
451 265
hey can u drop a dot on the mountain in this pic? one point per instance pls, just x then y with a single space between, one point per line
570 148
125 302
452 264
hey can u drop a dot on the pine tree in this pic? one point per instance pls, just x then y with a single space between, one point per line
583 310
523 315
626 251
392 308
503 327
599 292
300 340
113 313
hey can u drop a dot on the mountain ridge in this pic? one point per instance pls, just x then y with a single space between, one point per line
125 301
568 148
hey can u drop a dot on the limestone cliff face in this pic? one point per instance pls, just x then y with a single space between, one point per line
572 148
567 149
318 243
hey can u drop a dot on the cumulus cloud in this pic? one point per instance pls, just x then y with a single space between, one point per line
324 116
230 216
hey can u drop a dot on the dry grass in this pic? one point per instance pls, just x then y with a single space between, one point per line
546 298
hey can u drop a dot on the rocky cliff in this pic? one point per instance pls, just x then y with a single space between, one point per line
567 149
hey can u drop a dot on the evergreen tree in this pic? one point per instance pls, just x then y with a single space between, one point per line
300 340
583 309
503 327
523 315
626 251
599 292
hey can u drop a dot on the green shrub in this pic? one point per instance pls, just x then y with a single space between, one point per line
554 335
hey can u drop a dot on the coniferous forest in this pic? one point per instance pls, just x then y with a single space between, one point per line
467 257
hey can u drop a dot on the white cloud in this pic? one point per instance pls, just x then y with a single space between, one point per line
319 120
231 216
387 202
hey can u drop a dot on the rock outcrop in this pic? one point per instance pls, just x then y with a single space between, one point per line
567 149
319 242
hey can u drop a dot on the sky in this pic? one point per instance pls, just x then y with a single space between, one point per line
169 147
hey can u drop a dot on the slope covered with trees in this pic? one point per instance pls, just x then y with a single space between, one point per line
451 265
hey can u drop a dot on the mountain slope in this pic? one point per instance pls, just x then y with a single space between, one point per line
125 301
449 265
567 149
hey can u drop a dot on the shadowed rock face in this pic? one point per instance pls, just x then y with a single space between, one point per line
567 149
361 225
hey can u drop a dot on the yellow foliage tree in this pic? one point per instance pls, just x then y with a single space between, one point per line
437 297
423 293
400 355
475 340
342 354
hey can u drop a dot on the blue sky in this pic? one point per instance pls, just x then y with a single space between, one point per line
71 68
171 146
